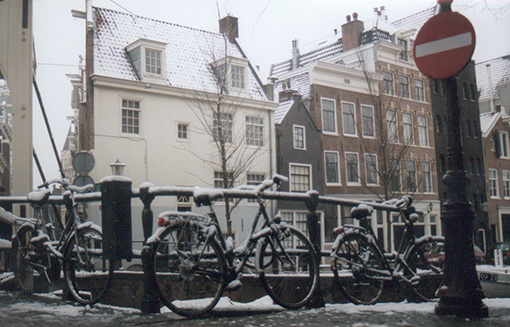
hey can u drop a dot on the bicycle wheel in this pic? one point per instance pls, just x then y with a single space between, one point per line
88 275
288 267
23 271
189 268
426 270
357 265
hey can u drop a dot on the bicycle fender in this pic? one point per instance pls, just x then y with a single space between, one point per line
91 225
351 230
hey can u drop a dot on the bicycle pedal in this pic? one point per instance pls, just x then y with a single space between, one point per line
234 285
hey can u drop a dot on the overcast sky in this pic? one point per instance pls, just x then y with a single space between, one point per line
266 29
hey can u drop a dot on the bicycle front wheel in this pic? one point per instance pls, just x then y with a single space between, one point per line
357 265
425 268
288 267
189 268
88 275
23 271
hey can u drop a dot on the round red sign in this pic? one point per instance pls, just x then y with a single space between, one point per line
444 45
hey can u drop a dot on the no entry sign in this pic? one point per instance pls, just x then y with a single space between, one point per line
444 45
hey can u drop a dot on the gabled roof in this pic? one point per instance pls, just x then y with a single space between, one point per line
488 120
500 73
282 110
189 51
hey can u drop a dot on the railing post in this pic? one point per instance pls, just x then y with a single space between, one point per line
150 302
315 237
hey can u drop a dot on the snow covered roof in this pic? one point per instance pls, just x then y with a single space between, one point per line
487 121
414 21
500 73
300 83
282 110
189 52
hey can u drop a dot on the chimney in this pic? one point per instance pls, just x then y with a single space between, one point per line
229 26
489 82
295 54
351 33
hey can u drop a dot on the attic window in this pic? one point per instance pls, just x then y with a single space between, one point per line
148 60
231 74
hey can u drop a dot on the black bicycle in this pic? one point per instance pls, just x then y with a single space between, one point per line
361 267
41 248
193 262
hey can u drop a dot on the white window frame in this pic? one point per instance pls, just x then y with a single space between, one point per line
347 165
504 144
345 122
405 91
235 72
414 177
367 121
423 130
392 125
506 183
373 163
426 179
389 84
398 173
183 135
420 91
254 178
128 122
291 177
407 128
254 131
228 121
337 155
156 47
295 128
334 118
238 76
493 183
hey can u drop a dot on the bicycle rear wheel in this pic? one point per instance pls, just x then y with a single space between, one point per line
288 267
357 265
425 269
88 275
23 271
189 268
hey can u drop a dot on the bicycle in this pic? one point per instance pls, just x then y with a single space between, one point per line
40 249
365 267
193 262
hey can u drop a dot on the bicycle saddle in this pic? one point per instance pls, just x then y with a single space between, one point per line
38 197
361 211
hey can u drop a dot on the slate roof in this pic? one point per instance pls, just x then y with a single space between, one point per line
487 120
282 110
188 51
500 72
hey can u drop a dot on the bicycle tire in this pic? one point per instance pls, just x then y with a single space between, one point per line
87 274
189 268
288 267
422 265
23 271
357 264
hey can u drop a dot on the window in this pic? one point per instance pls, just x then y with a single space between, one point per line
153 61
404 86
328 116
388 83
504 144
426 177
473 92
469 129
297 219
222 128
254 131
299 137
349 121
423 131
506 183
331 160
367 121
254 179
476 129
130 117
479 166
439 124
493 183
394 170
411 176
465 91
300 178
351 165
391 126
182 131
420 90
237 76
371 169
472 166
438 87
220 183
403 54
407 124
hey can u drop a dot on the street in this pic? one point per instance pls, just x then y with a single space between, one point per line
49 310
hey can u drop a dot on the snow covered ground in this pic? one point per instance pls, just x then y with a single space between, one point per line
50 310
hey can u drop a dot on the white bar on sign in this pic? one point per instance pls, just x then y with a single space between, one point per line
449 43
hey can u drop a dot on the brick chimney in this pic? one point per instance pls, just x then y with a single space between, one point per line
229 26
351 32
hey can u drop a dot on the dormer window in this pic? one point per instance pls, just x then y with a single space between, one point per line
403 54
148 60
231 74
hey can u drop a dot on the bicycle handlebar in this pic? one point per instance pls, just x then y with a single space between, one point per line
277 179
67 186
